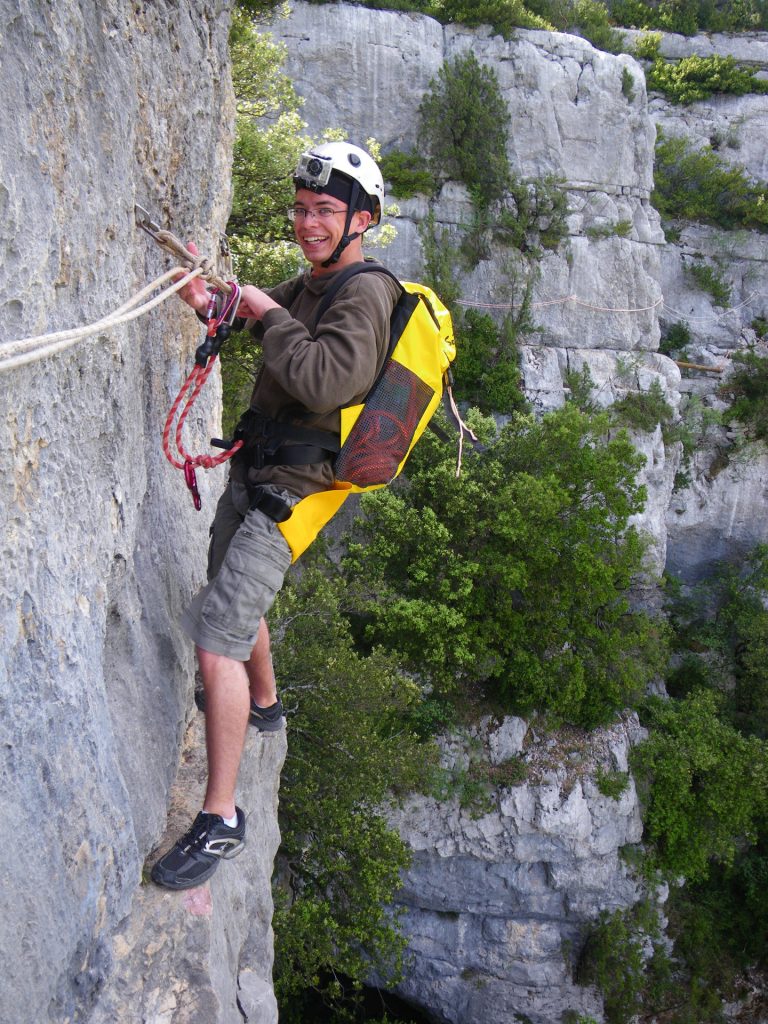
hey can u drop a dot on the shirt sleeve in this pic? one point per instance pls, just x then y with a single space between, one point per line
338 365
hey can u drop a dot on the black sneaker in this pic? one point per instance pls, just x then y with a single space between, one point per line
196 855
264 719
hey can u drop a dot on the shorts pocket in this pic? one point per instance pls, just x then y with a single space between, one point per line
247 582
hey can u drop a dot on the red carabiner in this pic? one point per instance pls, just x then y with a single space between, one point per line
191 481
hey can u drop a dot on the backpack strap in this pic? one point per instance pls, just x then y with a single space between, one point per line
346 275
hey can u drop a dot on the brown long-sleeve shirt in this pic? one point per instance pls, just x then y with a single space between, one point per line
310 371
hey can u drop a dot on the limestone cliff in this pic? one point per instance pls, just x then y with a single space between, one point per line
106 105
492 903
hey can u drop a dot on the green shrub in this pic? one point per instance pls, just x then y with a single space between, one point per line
705 785
615 958
408 174
339 861
486 373
675 338
696 185
515 574
644 410
611 783
502 15
696 78
464 122
747 390
709 280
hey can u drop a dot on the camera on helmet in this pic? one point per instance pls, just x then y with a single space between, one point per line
315 170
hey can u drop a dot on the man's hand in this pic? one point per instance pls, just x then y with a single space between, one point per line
195 294
254 303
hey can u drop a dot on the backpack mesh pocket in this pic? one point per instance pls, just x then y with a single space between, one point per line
383 433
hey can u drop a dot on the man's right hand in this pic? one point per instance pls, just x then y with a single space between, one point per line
195 294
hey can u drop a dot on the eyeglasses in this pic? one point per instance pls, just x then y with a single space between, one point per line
299 213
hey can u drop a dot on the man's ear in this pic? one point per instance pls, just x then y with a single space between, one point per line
363 220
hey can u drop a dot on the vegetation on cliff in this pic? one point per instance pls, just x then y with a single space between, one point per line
507 588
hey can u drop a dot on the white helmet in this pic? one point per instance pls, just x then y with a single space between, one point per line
334 167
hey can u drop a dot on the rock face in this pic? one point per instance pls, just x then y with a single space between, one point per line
106 106
490 901
496 898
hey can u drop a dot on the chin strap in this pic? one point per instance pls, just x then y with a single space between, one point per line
346 238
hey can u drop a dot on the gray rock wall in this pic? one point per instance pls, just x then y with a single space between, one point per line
497 896
105 105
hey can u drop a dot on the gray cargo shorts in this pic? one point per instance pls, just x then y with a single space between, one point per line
248 558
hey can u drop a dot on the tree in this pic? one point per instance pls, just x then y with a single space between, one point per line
515 574
464 122
351 750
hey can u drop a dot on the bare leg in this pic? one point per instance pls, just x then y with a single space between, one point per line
227 705
261 675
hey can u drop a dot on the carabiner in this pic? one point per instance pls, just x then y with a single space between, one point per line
190 479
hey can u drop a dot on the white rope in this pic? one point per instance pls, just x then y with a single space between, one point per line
558 302
32 349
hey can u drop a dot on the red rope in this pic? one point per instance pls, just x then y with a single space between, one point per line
186 397
195 381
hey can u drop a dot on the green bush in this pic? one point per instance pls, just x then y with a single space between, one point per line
709 280
747 390
696 78
616 959
696 185
705 785
464 123
408 174
339 862
485 372
515 573
611 783
644 410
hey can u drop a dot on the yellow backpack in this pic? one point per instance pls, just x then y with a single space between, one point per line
379 433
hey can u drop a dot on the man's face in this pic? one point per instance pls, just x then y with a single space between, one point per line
319 224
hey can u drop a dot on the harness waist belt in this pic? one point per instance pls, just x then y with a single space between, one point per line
273 507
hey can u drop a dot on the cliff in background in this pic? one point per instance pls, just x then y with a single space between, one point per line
107 105
495 900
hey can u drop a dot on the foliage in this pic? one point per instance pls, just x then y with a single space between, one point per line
515 574
707 785
440 256
675 338
464 123
485 372
615 959
588 18
696 78
533 214
339 862
620 229
719 928
611 783
690 16
697 185
408 174
643 410
268 139
747 390
502 15
709 280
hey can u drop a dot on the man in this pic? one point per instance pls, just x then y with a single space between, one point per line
310 370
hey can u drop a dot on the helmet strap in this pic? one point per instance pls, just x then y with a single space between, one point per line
346 238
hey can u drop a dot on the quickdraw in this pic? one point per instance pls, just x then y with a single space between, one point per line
222 310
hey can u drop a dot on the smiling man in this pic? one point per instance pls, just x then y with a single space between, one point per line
311 369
